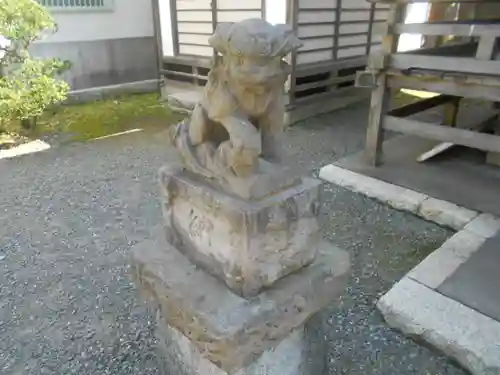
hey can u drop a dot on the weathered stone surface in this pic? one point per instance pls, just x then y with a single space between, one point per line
239 119
230 331
246 244
484 225
183 101
395 196
268 179
446 213
301 353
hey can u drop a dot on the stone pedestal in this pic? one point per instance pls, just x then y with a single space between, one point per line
237 284
301 352
201 321
247 244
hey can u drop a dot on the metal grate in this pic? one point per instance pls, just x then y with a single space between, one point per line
78 4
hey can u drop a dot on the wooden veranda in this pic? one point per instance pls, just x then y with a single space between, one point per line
458 59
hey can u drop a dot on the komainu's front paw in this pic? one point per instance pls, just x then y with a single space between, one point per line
244 162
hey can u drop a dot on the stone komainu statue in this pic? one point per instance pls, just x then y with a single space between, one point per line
240 116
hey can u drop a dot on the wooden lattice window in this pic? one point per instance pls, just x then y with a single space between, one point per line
77 4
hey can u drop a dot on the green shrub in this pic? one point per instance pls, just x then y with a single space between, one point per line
27 85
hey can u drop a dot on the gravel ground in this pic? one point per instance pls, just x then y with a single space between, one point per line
70 216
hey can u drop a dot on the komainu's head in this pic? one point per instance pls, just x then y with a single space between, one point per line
252 51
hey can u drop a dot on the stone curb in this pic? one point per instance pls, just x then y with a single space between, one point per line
25 149
470 337
439 211
444 261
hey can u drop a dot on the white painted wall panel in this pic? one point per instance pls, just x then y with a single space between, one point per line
236 16
361 15
194 16
194 22
315 30
353 40
353 28
356 4
193 4
316 16
203 28
195 50
238 4
351 52
312 57
311 4
313 44
128 19
194 39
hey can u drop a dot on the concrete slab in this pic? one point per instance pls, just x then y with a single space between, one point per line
459 176
476 282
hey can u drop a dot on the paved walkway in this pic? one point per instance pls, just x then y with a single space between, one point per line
70 215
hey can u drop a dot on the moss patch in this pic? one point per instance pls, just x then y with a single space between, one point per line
104 117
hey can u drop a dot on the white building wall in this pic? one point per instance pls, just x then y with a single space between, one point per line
166 27
127 19
416 13
106 47
276 11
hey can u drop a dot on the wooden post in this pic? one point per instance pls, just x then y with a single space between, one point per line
381 95
369 40
293 19
451 112
159 44
215 22
493 158
487 48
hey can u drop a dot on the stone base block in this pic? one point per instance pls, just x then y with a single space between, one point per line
248 245
303 352
230 331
